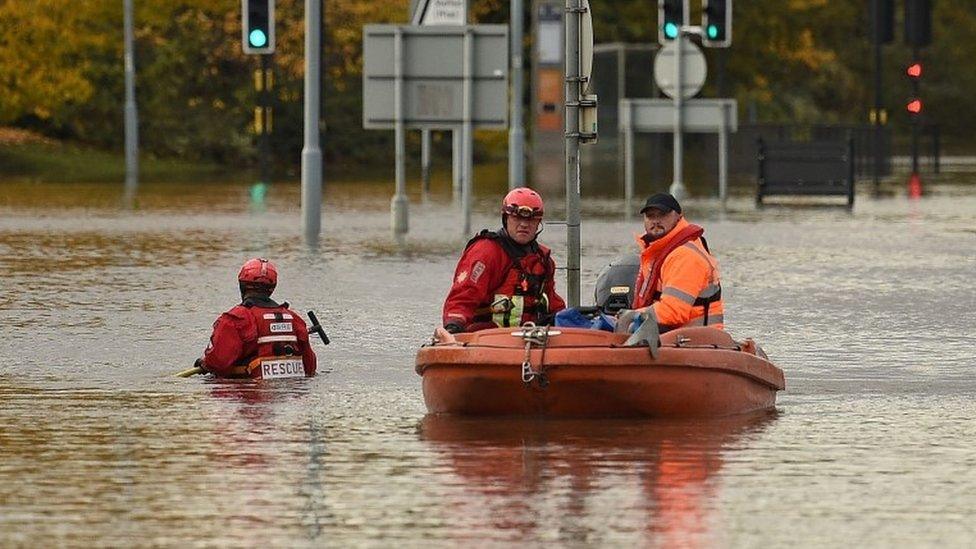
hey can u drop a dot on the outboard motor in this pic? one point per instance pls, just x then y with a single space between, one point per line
615 284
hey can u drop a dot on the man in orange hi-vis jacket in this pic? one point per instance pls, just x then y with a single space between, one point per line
678 279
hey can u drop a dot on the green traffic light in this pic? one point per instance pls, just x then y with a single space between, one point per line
258 38
670 30
712 31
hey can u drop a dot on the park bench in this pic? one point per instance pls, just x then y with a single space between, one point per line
815 168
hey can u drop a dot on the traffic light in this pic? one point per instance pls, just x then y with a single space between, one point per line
671 16
258 28
914 73
717 23
918 23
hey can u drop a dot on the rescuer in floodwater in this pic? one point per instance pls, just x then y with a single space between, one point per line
259 333
505 277
678 280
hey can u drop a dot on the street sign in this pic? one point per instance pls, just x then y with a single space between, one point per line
693 72
433 76
439 12
657 115
717 116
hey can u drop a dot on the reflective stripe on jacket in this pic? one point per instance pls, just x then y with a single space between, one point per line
680 279
258 329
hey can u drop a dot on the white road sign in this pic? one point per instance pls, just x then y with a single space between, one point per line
693 73
441 12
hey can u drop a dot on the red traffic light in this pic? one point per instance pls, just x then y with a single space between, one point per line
914 106
914 70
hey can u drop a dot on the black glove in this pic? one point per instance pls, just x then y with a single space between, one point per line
453 328
198 363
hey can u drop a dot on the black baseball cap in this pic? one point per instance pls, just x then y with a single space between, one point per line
662 201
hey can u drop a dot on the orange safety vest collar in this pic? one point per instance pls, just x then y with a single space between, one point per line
644 287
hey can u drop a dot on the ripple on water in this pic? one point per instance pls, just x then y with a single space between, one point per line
869 313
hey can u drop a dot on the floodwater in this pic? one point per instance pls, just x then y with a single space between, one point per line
871 314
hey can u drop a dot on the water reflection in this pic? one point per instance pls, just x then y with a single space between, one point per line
99 446
240 429
665 472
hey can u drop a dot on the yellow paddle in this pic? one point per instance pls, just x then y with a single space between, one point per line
191 372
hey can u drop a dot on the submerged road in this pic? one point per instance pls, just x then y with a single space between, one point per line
871 314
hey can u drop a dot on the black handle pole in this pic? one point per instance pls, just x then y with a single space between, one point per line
317 328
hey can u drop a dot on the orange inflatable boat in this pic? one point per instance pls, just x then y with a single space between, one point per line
577 372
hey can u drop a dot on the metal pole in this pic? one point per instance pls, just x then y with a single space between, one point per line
311 153
425 163
627 134
467 186
677 184
264 100
516 132
572 26
399 205
131 115
875 16
723 157
456 164
624 149
915 93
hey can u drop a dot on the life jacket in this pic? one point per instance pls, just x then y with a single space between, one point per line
647 287
279 351
521 297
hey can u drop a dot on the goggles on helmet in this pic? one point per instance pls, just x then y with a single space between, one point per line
524 212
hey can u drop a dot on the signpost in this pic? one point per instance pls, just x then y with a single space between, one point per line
657 116
435 77
580 128
684 60
438 12
680 71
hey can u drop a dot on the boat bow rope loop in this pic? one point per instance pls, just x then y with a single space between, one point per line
535 335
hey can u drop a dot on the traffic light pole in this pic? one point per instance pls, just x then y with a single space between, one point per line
264 100
915 94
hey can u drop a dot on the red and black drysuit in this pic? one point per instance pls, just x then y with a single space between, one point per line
257 328
499 283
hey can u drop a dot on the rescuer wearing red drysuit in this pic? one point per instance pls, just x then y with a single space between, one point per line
678 278
259 333
505 278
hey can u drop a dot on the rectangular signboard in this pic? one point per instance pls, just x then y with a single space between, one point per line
439 12
698 115
433 76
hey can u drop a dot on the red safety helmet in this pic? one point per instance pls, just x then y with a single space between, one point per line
523 202
258 271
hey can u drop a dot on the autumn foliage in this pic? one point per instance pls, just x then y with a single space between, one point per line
61 71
